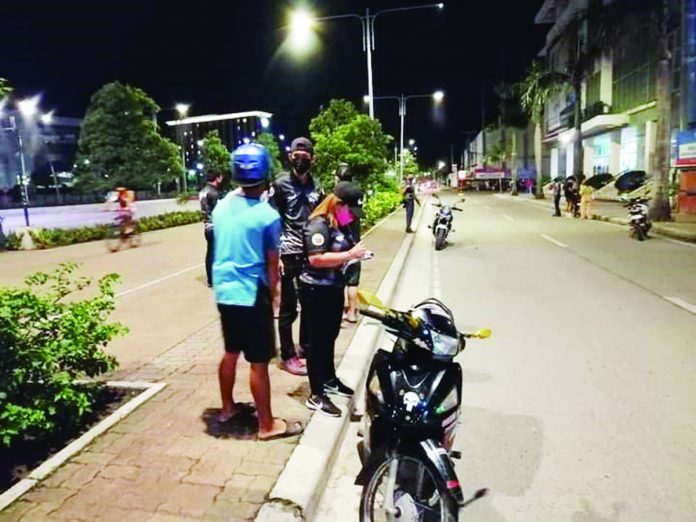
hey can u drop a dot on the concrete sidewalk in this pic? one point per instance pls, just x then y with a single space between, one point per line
170 459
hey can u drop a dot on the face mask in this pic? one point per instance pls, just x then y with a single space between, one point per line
301 165
344 216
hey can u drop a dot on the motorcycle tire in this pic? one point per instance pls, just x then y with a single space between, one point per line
640 235
436 503
440 239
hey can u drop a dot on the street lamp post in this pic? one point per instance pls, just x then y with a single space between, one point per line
302 22
182 110
437 96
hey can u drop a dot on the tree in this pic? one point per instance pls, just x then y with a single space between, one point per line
120 144
342 135
410 164
214 154
5 87
268 140
535 90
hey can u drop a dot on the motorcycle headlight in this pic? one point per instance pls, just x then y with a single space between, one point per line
375 388
449 402
444 345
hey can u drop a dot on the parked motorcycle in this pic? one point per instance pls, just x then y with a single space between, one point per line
413 398
638 218
442 225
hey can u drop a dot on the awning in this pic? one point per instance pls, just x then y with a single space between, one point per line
602 123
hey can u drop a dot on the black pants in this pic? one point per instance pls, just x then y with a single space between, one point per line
409 214
209 254
324 306
289 285
557 204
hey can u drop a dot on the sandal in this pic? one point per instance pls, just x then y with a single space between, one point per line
292 428
243 408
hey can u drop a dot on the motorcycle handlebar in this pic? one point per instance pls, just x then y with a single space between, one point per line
380 316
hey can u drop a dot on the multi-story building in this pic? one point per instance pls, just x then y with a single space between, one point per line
48 150
232 128
619 90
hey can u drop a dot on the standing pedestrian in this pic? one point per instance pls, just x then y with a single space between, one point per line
586 193
557 189
295 195
208 198
408 194
329 247
245 275
352 273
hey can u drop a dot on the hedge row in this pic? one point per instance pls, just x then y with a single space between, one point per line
54 237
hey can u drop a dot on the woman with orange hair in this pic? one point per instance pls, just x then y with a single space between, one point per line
329 246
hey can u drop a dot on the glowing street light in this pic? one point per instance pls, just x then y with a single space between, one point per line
441 165
29 107
281 137
265 123
47 118
182 109
411 142
302 37
437 96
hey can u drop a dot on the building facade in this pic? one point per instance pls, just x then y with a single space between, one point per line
233 129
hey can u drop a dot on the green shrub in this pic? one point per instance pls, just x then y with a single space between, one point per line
379 205
54 237
48 340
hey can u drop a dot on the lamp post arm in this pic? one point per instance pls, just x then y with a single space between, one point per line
395 10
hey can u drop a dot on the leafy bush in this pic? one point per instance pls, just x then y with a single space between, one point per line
54 237
379 205
49 340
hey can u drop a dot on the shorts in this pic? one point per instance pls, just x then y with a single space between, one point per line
352 275
250 329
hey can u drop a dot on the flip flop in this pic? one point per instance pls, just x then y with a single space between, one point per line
292 428
243 408
354 321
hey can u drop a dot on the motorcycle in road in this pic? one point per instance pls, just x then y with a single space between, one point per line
413 398
442 225
638 218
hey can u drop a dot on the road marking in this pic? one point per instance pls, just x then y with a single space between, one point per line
437 288
160 280
683 243
681 304
554 241
486 207
508 217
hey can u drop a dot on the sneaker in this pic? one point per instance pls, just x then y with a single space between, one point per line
336 387
294 366
322 404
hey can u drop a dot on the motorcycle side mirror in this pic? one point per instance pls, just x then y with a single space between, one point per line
483 333
369 298
430 226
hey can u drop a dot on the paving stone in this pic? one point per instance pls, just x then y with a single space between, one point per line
117 471
189 499
259 488
232 511
92 457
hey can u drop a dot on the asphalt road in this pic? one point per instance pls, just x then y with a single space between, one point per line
72 216
581 406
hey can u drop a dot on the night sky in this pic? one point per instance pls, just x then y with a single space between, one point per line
227 56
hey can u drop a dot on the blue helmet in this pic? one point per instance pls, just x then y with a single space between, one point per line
251 165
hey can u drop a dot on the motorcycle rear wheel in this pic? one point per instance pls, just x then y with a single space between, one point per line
419 493
440 239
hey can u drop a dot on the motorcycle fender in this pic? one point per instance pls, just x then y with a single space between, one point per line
441 461
368 468
441 226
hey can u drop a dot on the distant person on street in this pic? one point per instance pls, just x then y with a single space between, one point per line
586 192
123 201
352 274
408 194
557 189
329 246
568 194
208 198
245 277
295 195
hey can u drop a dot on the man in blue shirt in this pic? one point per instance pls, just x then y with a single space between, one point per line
246 280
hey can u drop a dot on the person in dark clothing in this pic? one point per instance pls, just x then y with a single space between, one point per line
329 246
344 175
295 195
208 198
557 188
409 199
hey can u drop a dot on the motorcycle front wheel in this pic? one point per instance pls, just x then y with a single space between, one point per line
639 233
413 488
440 239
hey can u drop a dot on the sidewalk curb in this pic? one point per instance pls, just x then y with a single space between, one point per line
49 466
659 229
298 490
